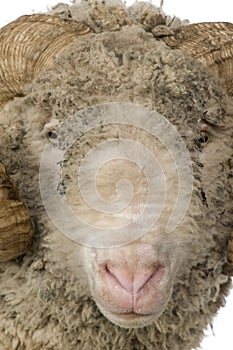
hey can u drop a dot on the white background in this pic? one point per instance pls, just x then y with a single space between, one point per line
195 11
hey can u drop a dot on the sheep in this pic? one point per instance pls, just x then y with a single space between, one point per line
157 290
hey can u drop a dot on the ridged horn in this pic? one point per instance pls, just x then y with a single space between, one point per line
210 42
28 45
15 226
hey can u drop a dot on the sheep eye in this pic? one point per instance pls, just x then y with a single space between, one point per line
204 128
203 139
52 135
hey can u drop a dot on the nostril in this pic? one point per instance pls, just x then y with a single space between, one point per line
130 279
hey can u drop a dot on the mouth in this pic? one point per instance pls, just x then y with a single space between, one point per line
129 319
130 315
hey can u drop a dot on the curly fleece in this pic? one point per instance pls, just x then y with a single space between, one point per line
44 304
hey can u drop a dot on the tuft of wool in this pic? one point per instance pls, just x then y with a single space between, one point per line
44 298
111 15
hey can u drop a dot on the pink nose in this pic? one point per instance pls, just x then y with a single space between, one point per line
131 281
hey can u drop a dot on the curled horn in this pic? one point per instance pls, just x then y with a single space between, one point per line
212 43
28 46
15 225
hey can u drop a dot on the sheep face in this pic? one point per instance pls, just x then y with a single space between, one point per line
132 283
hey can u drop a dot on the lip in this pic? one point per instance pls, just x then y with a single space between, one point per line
130 315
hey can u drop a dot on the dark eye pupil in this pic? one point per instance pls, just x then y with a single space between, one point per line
52 135
204 139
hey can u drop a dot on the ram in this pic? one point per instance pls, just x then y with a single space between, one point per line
115 178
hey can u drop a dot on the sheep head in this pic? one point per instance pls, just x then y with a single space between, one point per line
132 284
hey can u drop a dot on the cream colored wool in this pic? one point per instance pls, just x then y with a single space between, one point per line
44 298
